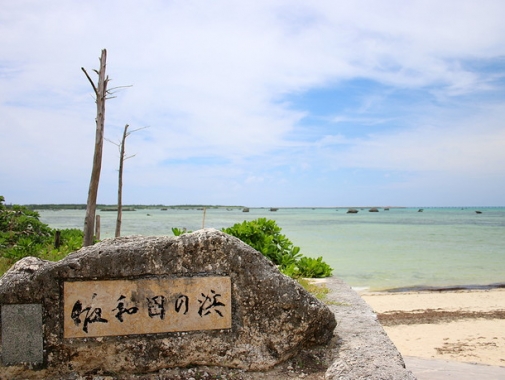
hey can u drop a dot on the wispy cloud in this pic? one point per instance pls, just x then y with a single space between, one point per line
253 99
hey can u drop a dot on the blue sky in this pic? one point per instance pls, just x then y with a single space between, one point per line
257 103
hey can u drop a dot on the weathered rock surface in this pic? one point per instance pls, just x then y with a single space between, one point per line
272 318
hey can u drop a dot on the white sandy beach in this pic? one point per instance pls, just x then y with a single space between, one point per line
464 326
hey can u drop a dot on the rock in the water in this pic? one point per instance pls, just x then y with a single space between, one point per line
119 306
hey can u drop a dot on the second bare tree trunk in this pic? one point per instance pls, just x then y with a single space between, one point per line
120 183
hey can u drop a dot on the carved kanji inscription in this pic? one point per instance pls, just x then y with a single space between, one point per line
146 306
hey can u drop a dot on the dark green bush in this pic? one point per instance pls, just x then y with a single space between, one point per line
18 223
22 234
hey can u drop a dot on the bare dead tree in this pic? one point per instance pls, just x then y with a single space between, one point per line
122 159
100 96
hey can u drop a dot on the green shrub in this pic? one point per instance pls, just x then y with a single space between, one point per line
313 268
291 271
70 239
265 236
22 234
180 231
18 223
24 247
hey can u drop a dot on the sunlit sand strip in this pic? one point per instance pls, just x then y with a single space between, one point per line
466 326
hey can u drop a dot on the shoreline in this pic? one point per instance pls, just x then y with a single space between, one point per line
464 325
447 288
364 290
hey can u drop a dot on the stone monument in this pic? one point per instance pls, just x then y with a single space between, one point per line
141 304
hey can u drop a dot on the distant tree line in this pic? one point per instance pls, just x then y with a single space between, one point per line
77 206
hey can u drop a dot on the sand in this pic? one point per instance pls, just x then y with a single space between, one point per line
465 326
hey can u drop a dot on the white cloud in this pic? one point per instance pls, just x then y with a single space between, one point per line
454 145
209 79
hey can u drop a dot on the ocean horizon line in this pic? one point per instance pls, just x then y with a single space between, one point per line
104 205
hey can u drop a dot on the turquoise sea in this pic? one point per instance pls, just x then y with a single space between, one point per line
389 249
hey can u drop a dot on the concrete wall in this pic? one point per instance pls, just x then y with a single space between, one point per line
364 350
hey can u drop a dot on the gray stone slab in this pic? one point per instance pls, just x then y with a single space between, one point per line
365 351
22 340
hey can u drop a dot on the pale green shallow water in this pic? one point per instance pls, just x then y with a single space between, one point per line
384 250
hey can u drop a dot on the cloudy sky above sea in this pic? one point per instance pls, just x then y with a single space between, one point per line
257 103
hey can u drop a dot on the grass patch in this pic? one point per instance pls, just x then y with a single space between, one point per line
5 264
320 291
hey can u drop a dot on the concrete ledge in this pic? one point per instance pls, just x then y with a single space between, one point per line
436 369
364 350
